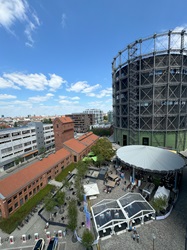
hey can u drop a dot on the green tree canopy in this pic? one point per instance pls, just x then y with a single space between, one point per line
60 198
87 238
159 203
72 215
103 147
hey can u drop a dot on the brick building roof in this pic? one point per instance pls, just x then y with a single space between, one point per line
18 180
65 119
88 139
75 145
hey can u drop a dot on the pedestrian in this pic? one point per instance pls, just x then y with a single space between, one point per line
137 238
133 236
134 229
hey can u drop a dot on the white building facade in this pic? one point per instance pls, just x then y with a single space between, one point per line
23 143
97 113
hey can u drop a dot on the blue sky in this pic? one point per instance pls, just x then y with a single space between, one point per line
56 55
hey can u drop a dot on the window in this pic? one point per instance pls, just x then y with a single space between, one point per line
15 197
6 150
10 209
26 197
21 201
25 190
57 125
30 193
145 141
29 186
41 184
20 193
9 201
16 205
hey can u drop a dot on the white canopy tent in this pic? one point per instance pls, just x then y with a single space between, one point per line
91 189
150 158
110 215
161 192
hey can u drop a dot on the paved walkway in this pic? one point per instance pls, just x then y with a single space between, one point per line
169 233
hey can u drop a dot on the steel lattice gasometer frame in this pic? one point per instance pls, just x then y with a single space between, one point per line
149 80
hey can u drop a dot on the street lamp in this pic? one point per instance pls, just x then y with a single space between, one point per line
154 237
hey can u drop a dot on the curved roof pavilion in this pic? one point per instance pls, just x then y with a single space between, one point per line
150 158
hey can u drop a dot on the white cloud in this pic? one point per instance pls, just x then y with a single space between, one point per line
103 93
63 20
75 98
67 100
55 82
5 97
83 87
102 105
36 82
7 84
38 99
12 11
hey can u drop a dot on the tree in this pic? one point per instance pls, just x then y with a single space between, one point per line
82 168
104 148
87 238
60 198
159 203
72 215
50 203
18 160
100 160
79 188
47 121
42 151
15 124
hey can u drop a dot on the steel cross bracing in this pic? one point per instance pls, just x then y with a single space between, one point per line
155 78
132 92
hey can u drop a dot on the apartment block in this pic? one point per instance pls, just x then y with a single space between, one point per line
24 142
81 121
98 115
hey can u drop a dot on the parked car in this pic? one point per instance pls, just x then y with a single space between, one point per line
53 244
40 244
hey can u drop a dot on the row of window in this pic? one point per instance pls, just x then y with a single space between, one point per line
25 198
25 190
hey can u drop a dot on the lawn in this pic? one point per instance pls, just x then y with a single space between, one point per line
65 172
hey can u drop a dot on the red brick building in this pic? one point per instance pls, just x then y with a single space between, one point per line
63 130
17 188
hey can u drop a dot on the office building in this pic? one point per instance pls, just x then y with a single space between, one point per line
98 115
24 143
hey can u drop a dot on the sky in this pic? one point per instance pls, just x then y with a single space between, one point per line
56 56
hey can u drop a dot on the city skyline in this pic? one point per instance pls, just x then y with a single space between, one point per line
56 57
